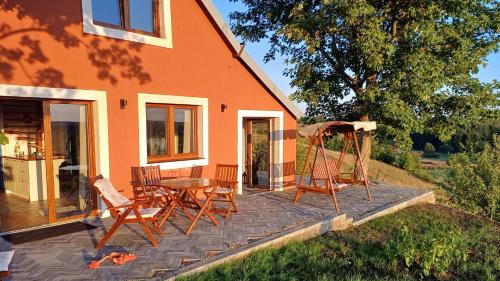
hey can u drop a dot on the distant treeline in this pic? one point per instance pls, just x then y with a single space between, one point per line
471 139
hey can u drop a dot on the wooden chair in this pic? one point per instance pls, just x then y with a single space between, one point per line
140 186
196 172
149 178
288 172
125 210
228 177
4 274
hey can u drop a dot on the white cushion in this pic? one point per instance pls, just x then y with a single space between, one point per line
145 213
342 185
5 258
109 192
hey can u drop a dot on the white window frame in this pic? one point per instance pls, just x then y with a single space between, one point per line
165 19
143 99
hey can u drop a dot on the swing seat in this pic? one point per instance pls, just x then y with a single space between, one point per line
340 181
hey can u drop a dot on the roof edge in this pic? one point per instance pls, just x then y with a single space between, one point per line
247 59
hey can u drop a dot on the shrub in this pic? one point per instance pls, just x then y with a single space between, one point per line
473 181
335 142
430 250
384 153
408 161
429 150
302 145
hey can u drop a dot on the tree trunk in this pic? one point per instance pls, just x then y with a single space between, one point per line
366 150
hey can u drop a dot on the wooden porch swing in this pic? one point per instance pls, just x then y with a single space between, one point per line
330 171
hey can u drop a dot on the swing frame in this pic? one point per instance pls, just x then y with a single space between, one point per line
333 177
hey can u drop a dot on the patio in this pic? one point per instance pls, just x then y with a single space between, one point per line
262 217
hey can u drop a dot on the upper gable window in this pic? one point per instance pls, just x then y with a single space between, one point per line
107 11
138 16
143 21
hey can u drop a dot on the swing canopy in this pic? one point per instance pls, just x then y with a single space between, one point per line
332 127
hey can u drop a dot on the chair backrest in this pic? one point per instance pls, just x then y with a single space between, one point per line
108 193
196 172
320 172
144 179
152 174
226 173
289 169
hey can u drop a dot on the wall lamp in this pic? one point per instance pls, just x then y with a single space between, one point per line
123 103
223 107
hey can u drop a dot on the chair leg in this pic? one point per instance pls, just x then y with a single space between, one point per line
233 202
149 234
115 226
156 226
229 207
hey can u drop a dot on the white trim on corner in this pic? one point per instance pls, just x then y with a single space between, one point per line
100 106
275 136
144 98
165 39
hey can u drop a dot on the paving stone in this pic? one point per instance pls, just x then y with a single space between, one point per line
261 215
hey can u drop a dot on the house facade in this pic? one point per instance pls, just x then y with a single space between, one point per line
92 87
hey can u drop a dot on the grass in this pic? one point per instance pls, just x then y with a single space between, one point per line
367 252
436 175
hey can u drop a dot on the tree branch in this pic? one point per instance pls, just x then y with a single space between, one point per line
338 69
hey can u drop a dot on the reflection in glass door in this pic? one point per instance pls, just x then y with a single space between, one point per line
258 152
69 158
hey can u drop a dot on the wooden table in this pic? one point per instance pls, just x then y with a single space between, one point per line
189 188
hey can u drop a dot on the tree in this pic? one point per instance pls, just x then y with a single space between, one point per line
408 64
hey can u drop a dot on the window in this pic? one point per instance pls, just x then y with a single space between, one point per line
171 132
140 16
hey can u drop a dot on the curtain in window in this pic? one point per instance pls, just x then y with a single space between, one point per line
184 133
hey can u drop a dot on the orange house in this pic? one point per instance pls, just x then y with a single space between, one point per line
93 87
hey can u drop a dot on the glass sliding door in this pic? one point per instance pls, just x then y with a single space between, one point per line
69 159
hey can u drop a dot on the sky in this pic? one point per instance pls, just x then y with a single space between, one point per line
274 69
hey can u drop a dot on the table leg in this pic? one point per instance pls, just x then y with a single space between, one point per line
203 209
178 202
170 210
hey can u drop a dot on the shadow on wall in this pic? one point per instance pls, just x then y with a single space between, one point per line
112 61
284 134
289 134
